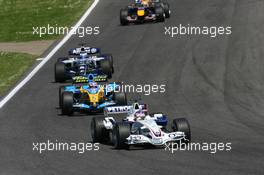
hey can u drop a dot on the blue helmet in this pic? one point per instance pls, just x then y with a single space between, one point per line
93 84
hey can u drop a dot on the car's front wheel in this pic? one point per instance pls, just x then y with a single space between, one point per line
67 103
98 130
121 132
61 91
182 124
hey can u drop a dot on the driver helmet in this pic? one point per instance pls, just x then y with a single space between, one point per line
140 114
93 85
145 2
82 49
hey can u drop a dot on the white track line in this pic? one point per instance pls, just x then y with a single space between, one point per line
47 58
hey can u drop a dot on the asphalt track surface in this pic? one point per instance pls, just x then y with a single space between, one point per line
216 83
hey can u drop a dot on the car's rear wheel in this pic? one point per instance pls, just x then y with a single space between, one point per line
60 72
98 131
166 9
121 132
111 59
182 124
106 68
67 103
160 17
123 17
120 98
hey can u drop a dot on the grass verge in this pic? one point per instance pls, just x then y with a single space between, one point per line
12 67
18 17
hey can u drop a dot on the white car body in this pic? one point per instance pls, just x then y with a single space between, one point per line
154 134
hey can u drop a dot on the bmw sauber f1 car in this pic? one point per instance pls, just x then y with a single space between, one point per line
84 65
138 128
144 10
90 97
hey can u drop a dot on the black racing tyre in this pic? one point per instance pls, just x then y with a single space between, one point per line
106 68
120 98
182 124
160 17
61 91
98 131
166 9
60 72
67 103
123 17
62 59
121 131
111 59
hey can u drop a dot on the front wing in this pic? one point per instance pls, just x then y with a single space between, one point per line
158 141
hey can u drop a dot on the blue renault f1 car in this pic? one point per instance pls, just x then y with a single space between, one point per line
83 65
90 97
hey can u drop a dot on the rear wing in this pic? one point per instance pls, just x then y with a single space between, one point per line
89 78
88 50
123 109
117 110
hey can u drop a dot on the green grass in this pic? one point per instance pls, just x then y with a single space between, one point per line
12 67
18 17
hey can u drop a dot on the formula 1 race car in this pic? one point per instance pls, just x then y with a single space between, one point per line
90 97
138 128
145 10
84 65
